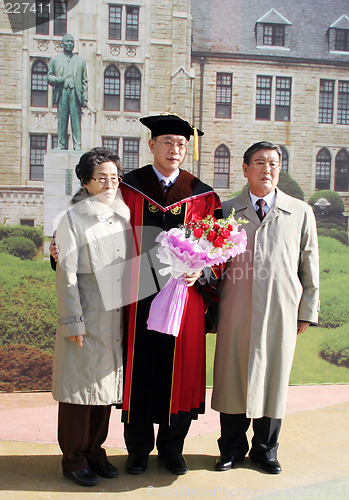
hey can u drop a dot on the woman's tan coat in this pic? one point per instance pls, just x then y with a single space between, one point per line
92 250
263 294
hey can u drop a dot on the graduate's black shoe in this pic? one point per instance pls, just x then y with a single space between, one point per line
82 477
136 464
104 469
175 464
225 462
271 465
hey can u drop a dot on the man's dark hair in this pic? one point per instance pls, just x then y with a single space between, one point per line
260 145
88 161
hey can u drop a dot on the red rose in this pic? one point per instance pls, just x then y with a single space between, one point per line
230 227
218 242
224 233
216 227
198 232
212 235
197 218
205 226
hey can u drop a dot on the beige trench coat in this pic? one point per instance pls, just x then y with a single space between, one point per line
263 294
91 239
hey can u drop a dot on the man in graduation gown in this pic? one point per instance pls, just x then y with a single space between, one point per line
164 375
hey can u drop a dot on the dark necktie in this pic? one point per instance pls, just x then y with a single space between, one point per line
260 212
165 184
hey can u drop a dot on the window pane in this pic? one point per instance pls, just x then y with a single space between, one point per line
39 84
37 152
221 167
343 103
132 22
263 97
326 101
112 88
111 143
274 34
223 95
130 154
115 13
42 17
132 89
284 162
342 40
341 180
60 18
323 170
283 99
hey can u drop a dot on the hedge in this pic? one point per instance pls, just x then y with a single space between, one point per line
35 234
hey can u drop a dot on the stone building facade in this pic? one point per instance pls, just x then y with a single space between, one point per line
241 70
138 63
272 71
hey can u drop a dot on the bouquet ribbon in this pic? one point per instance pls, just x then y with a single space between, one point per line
166 310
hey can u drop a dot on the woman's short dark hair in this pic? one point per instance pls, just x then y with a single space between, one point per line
88 161
260 145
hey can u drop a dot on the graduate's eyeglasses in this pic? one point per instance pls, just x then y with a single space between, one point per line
182 146
105 180
261 164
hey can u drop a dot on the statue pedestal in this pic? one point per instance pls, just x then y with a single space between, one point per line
60 184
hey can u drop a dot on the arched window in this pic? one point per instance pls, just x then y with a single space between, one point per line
341 176
112 88
284 161
39 84
323 169
132 89
221 167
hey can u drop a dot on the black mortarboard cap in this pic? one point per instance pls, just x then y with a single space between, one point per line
170 123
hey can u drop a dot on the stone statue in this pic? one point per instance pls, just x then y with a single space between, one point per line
68 76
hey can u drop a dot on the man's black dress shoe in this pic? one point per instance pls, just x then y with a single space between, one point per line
136 464
271 465
104 469
175 464
82 477
226 463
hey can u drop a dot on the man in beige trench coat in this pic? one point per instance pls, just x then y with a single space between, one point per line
269 294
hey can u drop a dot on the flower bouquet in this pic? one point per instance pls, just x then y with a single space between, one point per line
188 249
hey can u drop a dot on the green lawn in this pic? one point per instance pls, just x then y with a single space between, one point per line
308 368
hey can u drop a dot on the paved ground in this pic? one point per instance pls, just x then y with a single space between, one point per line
314 444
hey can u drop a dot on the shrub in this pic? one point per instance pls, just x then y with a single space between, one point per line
289 186
336 207
19 247
331 232
335 349
331 223
34 234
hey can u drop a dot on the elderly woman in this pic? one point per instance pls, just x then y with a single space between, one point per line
87 367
